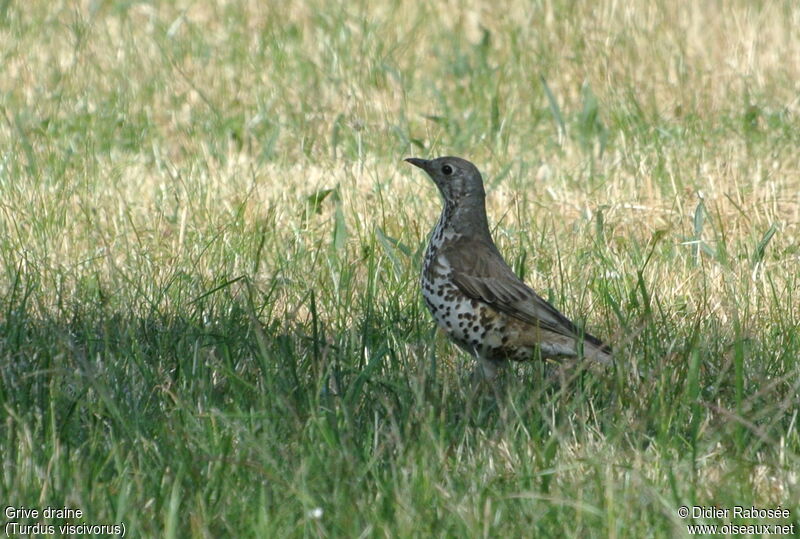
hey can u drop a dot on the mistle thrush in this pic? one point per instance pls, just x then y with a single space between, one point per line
472 293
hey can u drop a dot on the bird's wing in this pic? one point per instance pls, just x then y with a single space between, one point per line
482 274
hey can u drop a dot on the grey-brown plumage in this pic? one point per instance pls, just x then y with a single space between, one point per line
472 293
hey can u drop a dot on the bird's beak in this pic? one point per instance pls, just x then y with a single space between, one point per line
421 163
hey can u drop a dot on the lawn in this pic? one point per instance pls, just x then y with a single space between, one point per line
210 319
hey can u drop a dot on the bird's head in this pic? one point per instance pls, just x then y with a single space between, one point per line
457 179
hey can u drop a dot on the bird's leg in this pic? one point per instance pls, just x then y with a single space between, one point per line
488 368
487 373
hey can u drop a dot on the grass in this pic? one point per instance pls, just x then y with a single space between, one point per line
210 322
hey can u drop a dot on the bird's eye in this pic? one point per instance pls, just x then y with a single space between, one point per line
447 170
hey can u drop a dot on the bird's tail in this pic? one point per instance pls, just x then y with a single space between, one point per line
597 351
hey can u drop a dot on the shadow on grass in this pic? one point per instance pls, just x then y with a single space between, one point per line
220 405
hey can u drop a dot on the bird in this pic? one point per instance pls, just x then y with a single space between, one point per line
473 294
